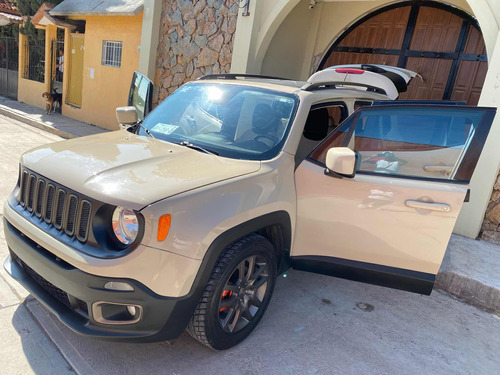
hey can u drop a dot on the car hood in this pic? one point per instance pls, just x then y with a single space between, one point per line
133 171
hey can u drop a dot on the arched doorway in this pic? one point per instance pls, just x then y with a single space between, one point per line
442 43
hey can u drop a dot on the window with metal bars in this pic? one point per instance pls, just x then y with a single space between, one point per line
112 53
34 68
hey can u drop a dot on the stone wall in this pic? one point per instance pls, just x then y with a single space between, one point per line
490 231
196 38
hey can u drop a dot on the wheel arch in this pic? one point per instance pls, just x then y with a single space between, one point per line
275 227
271 226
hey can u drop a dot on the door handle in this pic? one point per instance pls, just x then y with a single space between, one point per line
442 207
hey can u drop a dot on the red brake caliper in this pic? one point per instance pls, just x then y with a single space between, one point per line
226 294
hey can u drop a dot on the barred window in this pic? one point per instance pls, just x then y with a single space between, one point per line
34 68
112 53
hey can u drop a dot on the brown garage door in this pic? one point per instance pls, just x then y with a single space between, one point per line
443 44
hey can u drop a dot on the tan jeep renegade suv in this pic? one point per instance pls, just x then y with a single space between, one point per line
185 219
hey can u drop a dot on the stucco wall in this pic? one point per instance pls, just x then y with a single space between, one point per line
196 38
104 87
329 20
30 92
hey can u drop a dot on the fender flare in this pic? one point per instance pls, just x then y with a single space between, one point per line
281 218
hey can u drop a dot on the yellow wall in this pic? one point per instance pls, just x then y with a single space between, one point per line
109 86
30 92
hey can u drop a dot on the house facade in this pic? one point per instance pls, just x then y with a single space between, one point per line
91 51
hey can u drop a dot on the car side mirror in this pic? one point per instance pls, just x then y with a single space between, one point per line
126 116
341 162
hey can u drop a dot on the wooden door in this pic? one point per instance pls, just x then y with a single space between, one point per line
442 44
77 50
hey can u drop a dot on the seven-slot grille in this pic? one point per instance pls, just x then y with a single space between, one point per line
67 211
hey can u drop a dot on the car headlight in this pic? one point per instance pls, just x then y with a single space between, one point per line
125 225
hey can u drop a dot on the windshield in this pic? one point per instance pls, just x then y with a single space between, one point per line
233 121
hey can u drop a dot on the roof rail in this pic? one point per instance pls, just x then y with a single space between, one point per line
236 76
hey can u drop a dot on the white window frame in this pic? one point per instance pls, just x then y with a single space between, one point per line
112 53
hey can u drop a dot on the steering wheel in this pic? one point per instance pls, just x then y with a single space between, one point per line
268 137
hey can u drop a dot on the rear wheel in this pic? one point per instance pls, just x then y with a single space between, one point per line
237 294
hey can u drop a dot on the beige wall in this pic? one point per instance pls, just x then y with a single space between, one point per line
329 20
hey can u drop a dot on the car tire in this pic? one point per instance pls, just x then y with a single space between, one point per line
237 294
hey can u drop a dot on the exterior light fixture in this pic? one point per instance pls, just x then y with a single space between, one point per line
245 5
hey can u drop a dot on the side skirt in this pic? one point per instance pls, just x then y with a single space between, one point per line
391 277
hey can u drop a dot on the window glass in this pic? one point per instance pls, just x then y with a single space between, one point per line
337 113
234 121
413 142
336 139
139 95
112 53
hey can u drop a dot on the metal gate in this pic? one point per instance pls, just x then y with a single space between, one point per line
57 66
9 66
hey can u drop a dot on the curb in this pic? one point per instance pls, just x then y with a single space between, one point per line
37 124
41 316
469 290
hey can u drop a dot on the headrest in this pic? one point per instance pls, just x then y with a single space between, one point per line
264 119
316 127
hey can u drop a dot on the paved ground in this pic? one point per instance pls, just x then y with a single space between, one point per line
55 123
315 325
25 348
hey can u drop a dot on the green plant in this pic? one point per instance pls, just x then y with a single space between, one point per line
29 8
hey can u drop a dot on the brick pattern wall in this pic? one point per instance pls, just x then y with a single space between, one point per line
490 231
196 38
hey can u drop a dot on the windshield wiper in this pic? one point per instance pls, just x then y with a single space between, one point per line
197 148
146 130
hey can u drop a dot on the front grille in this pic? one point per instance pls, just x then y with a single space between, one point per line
66 210
54 291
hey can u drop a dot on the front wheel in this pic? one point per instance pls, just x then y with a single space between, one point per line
237 294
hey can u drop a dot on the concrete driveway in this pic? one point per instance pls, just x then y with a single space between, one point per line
314 325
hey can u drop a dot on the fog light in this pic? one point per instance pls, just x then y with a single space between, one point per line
116 313
131 310
116 285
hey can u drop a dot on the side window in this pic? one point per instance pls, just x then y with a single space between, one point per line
336 139
413 142
322 120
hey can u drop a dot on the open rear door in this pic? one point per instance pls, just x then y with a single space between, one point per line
141 95
390 224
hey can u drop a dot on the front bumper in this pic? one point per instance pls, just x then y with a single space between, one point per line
70 293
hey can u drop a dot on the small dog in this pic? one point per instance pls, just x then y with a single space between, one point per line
52 100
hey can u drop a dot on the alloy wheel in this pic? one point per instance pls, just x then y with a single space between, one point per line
243 294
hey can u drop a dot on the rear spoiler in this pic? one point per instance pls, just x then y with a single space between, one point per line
341 77
400 77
